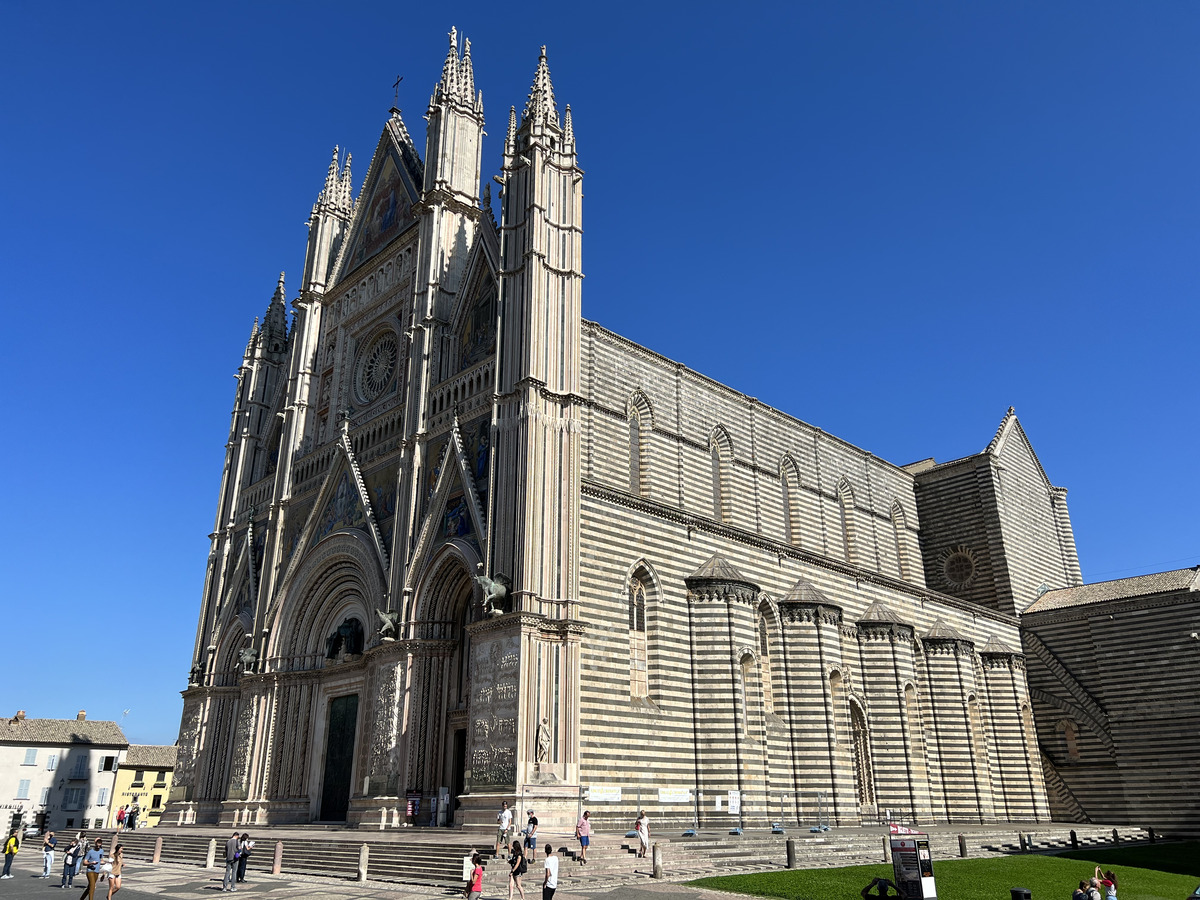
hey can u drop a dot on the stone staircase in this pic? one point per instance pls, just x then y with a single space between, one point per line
435 858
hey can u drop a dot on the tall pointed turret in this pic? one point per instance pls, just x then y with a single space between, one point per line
274 331
327 226
454 136
538 381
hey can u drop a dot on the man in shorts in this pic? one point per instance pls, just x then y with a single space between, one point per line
531 835
503 828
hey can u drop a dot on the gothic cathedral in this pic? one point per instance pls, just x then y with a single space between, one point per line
472 547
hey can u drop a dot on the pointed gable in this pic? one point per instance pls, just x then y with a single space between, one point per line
384 207
1011 441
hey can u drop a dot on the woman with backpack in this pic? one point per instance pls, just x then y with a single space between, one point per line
517 867
71 862
11 846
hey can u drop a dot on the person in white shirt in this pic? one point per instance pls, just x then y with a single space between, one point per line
550 879
503 828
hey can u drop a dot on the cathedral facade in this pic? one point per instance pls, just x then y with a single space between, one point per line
470 546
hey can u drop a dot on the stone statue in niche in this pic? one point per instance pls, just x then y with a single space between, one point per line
389 627
248 657
495 591
543 741
346 640
195 675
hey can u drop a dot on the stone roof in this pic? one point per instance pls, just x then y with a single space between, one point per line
150 756
943 632
995 648
717 568
806 592
61 732
1121 589
881 612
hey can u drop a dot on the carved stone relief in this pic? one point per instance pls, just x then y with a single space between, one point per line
495 675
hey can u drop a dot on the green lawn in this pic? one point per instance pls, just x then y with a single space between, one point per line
1048 877
1182 858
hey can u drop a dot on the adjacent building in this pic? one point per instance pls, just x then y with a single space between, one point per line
143 781
1113 669
58 773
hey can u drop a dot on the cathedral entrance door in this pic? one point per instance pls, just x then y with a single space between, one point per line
339 758
458 774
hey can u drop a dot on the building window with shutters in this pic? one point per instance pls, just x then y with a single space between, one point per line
30 757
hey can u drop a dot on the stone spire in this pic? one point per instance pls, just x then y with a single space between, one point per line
568 128
253 340
466 74
448 86
540 105
274 330
336 194
346 188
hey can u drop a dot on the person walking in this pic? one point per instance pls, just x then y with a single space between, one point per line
583 831
121 813
642 827
475 885
245 847
550 874
114 874
228 883
92 861
71 862
517 866
11 846
49 842
503 827
131 816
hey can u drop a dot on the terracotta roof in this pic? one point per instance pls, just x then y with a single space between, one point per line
150 756
881 612
61 732
1121 589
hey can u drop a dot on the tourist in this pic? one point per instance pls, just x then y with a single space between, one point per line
49 842
1081 892
131 816
244 849
475 885
531 826
114 870
71 862
1094 889
231 860
642 827
1108 880
121 817
517 866
11 846
583 831
503 826
91 861
83 846
550 876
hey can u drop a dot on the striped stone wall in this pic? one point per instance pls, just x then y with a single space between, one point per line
1114 691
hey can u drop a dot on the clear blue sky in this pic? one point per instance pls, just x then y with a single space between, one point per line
892 220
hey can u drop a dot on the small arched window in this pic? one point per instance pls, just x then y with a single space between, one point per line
641 425
978 739
1070 739
720 450
900 531
864 781
789 477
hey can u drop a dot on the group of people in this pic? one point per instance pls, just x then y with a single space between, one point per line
518 865
1101 881
81 856
127 816
237 854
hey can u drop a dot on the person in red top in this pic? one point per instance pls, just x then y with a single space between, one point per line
1108 881
475 888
